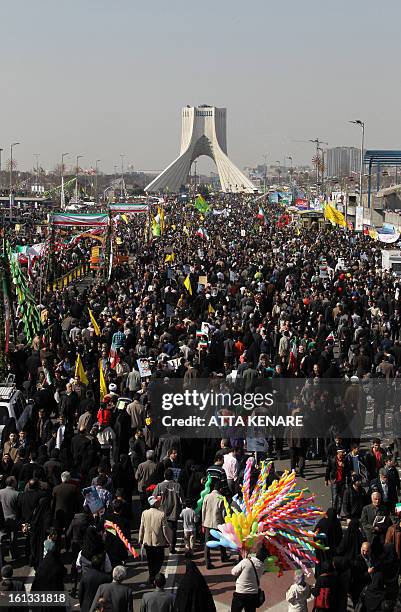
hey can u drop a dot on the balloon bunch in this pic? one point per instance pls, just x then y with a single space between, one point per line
279 516
203 494
115 530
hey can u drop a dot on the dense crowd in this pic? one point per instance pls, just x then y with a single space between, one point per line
279 301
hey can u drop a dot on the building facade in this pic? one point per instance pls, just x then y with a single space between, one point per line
342 161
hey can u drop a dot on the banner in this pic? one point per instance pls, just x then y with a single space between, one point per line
358 218
302 204
129 208
387 238
77 220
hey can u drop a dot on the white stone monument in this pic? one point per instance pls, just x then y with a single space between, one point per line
203 133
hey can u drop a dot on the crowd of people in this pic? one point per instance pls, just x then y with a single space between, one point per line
278 301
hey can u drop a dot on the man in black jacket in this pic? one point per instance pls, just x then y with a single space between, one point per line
90 582
387 489
361 572
355 498
337 475
80 445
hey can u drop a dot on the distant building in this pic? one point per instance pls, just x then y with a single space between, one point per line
342 161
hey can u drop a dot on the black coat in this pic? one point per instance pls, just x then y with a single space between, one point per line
49 577
354 501
360 577
80 445
122 429
331 470
27 504
113 545
392 496
89 583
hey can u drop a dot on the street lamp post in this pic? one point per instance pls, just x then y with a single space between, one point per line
195 177
96 175
62 194
362 126
76 177
1 150
14 144
122 175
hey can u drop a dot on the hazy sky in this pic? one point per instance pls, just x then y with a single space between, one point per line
106 77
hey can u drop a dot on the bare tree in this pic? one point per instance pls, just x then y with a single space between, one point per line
8 165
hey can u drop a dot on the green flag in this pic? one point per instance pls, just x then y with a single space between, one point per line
201 205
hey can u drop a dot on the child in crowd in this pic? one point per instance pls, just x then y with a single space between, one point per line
189 519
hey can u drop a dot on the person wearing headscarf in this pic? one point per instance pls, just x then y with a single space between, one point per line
193 594
50 577
93 546
342 566
388 564
6 466
351 543
324 590
185 475
374 595
329 532
122 476
298 594
40 525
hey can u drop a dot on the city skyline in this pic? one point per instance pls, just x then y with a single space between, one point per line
103 79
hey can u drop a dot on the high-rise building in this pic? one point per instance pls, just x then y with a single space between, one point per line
342 161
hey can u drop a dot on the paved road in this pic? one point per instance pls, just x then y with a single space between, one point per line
219 579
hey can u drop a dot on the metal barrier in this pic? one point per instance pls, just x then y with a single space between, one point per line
64 281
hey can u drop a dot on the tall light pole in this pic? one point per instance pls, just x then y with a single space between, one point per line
362 126
96 170
317 142
1 150
36 156
278 162
76 176
62 194
122 175
14 144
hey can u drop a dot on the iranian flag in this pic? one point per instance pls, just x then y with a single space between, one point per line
79 220
261 214
202 233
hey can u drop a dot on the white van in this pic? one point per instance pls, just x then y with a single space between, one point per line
12 403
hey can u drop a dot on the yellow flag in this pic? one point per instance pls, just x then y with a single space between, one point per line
80 372
125 218
102 380
169 258
93 321
210 309
334 215
185 230
187 285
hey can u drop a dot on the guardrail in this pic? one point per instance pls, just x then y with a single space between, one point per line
66 279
